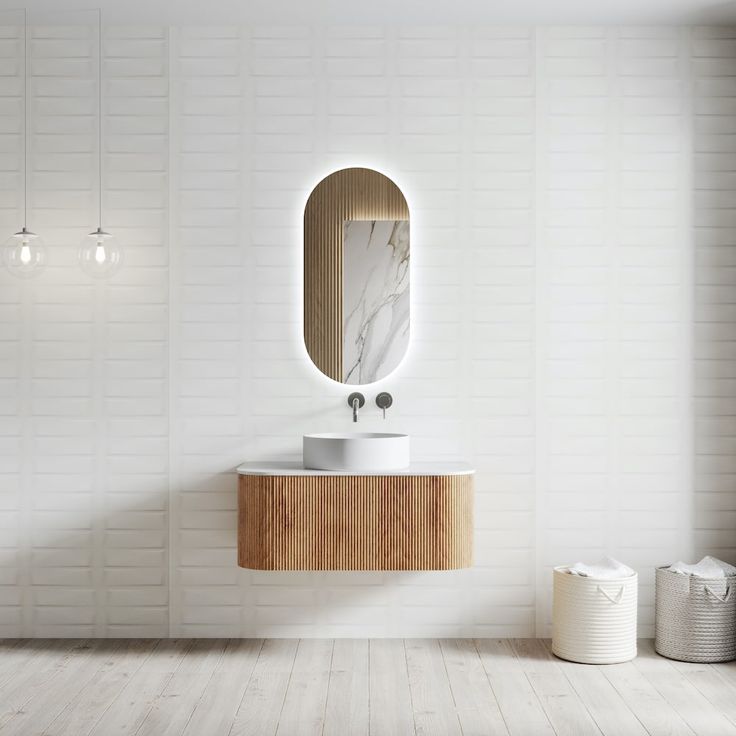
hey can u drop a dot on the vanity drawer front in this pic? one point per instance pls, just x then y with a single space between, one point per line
355 522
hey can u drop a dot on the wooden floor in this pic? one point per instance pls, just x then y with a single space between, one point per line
448 687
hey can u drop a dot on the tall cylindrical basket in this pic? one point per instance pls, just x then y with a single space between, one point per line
594 620
695 617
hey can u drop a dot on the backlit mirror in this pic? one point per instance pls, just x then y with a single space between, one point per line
356 276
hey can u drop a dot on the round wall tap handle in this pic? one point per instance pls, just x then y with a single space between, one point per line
384 401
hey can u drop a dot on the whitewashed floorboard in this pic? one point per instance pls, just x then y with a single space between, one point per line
347 710
390 698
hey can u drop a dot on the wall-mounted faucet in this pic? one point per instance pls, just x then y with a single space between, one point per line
356 401
384 401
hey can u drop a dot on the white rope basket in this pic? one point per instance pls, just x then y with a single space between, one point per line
593 620
695 617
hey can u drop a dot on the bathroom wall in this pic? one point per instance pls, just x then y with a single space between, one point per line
573 227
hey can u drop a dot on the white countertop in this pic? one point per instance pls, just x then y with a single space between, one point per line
284 467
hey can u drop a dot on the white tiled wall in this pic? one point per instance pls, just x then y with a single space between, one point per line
83 366
614 272
574 248
714 167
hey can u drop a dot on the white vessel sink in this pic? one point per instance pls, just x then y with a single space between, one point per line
368 452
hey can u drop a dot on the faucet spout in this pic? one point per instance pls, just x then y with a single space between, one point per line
355 402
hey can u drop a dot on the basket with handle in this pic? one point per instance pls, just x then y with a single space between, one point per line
594 620
695 617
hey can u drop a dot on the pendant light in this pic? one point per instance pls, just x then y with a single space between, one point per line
100 255
24 253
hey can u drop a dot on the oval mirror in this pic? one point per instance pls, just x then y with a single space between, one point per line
356 276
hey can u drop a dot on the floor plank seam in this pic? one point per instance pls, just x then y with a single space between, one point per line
408 679
327 696
452 690
286 689
370 699
490 685
214 670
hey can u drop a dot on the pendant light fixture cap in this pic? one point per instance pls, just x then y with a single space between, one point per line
25 234
100 234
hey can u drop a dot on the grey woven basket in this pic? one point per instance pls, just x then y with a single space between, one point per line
695 617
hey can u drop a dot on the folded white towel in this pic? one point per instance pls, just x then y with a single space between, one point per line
708 567
606 569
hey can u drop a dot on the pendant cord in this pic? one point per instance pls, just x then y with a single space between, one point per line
25 118
99 117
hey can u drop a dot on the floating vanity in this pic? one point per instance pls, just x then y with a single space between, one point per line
293 518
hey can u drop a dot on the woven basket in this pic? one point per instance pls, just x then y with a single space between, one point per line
695 617
594 621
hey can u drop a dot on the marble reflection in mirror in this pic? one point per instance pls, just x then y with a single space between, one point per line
375 298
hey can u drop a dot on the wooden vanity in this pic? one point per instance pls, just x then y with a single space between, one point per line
290 518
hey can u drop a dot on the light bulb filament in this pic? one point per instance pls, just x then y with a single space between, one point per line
25 254
100 255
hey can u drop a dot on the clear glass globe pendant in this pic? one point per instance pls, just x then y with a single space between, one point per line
100 254
24 254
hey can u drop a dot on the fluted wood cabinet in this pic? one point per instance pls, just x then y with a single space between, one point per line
355 522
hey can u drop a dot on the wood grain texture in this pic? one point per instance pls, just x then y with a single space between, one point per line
348 194
355 522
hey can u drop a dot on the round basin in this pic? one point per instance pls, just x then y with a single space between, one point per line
367 452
